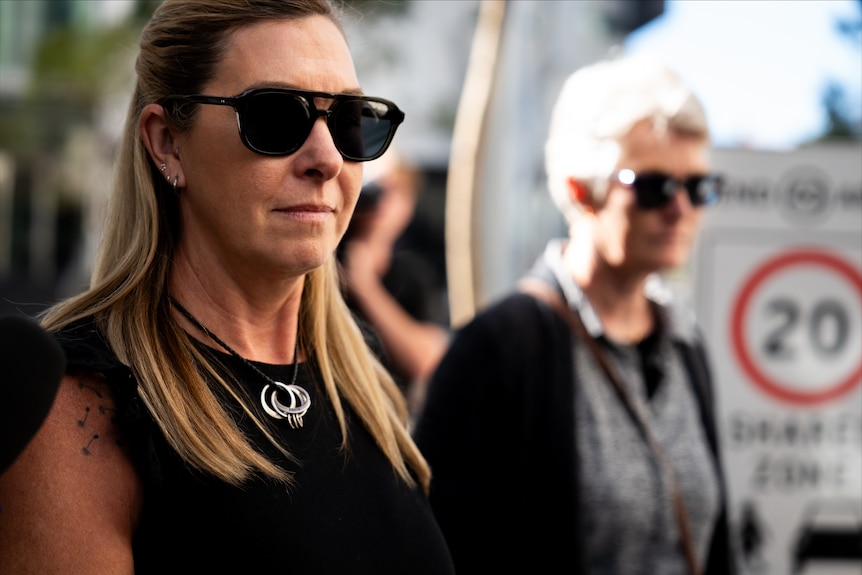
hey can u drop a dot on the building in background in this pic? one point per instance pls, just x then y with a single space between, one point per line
64 66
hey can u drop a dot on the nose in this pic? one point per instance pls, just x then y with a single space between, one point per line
677 198
326 114
318 154
318 113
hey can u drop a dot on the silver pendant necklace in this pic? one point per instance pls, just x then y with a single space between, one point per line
298 398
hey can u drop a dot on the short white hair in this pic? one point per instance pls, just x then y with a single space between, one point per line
598 106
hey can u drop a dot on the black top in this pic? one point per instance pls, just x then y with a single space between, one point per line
346 514
498 430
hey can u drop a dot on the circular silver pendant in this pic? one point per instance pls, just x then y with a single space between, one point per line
298 402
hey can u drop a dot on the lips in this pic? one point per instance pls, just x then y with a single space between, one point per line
309 213
307 208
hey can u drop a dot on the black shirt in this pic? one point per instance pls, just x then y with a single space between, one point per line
347 513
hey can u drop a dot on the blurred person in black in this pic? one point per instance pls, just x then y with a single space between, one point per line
570 425
32 364
389 280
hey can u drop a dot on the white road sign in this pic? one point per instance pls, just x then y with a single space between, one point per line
778 287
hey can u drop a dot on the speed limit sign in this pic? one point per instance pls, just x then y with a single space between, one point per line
793 326
778 290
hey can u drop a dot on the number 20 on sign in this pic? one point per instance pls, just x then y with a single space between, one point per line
796 326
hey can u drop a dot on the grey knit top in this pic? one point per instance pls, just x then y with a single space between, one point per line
629 525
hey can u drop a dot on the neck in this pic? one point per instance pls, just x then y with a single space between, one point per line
616 295
265 338
627 320
256 317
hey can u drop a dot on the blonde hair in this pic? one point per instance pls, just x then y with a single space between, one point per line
128 298
597 107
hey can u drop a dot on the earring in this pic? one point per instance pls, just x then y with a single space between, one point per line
163 167
175 183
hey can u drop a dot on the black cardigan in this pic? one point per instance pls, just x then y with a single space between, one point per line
499 417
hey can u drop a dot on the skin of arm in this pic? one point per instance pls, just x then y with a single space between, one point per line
71 500
414 346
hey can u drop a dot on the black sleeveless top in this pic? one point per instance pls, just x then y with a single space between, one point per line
347 513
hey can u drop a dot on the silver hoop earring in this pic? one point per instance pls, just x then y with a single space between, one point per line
175 183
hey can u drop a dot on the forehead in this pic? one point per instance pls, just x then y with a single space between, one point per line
646 146
309 53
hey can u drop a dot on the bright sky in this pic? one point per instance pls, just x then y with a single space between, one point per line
760 67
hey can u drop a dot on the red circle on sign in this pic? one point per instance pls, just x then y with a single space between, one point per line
767 384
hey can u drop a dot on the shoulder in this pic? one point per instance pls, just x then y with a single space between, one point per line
514 311
683 324
516 328
515 336
86 347
81 439
88 352
74 486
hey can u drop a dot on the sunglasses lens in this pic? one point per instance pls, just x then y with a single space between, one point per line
653 190
362 129
703 190
278 123
275 123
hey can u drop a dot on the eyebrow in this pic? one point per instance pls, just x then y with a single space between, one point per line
286 86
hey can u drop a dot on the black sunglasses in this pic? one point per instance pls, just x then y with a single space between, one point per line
655 189
277 121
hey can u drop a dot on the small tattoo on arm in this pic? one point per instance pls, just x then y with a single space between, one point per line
81 422
86 449
103 411
82 385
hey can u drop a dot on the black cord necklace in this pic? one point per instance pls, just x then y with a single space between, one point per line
300 400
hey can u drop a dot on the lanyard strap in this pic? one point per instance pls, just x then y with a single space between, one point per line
550 296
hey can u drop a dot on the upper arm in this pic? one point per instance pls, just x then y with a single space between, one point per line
70 501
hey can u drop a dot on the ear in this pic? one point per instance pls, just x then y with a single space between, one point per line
159 140
579 194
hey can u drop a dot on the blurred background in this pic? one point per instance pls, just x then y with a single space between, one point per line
782 85
773 76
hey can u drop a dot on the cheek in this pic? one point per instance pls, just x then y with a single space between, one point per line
622 214
215 129
351 197
695 217
215 180
211 153
350 182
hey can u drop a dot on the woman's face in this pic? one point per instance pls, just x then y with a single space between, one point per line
270 216
643 241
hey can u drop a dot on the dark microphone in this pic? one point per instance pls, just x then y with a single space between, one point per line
32 364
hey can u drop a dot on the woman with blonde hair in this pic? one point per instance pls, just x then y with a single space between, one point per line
222 411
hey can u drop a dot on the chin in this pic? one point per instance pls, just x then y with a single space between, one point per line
667 262
305 258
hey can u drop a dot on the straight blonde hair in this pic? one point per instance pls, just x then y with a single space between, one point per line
128 298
